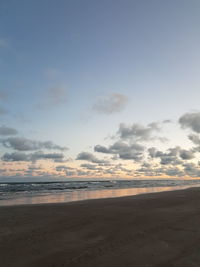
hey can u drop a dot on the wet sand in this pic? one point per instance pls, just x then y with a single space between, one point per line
159 229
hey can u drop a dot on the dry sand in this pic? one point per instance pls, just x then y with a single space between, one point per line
160 229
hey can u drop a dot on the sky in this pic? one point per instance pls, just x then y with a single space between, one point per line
99 89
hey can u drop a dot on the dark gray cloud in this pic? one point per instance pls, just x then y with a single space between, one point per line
56 157
138 132
192 170
123 150
196 141
146 165
32 169
191 121
83 173
4 130
105 164
24 144
128 146
169 160
160 171
110 104
63 168
99 169
102 149
174 172
120 168
70 173
194 138
153 152
173 156
105 169
186 154
92 167
88 166
170 157
149 171
90 157
20 156
16 156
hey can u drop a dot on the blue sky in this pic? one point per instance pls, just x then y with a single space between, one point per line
72 71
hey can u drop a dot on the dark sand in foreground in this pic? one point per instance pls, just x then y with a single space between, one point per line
161 229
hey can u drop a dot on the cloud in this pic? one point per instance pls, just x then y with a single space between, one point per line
53 97
16 156
4 130
83 173
110 104
196 141
191 121
99 169
144 171
19 156
56 157
89 157
128 146
160 171
138 132
186 154
120 168
24 144
61 168
192 170
194 138
90 166
70 173
173 156
170 157
174 172
123 150
66 169
102 149
34 168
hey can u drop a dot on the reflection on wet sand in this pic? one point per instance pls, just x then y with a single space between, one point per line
83 195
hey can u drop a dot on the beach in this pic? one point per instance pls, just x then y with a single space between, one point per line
157 229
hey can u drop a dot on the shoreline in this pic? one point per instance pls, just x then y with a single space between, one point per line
155 229
96 199
64 197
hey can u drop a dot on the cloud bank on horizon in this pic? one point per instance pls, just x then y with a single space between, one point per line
129 155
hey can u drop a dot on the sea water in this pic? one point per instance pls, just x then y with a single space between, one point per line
19 193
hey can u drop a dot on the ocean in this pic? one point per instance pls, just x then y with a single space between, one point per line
20 193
